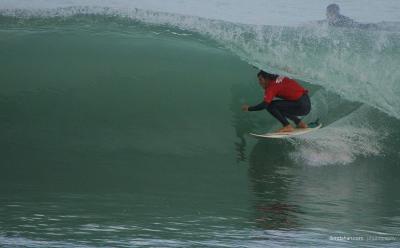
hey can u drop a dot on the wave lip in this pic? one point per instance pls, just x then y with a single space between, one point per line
286 13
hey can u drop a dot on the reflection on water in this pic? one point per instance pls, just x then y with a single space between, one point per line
267 161
356 200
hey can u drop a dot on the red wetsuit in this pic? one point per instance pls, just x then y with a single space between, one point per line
295 100
285 88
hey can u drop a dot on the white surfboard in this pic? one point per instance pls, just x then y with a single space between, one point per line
280 135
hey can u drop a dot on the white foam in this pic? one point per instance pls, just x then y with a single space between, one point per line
341 142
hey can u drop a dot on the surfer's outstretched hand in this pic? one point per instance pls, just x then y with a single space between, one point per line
245 107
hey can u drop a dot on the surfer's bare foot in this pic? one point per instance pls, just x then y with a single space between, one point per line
287 128
302 125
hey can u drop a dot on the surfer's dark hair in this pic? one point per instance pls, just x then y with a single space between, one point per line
267 75
333 8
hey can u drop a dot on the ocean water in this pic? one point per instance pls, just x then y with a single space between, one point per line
120 125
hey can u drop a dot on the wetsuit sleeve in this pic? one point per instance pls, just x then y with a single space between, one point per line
258 107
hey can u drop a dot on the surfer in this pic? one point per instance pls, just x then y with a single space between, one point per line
295 101
334 18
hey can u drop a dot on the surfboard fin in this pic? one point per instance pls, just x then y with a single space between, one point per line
314 123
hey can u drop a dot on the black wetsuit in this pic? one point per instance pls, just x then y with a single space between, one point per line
283 109
344 21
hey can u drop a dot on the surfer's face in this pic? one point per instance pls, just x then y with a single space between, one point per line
262 81
332 14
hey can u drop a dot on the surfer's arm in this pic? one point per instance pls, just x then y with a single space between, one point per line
258 107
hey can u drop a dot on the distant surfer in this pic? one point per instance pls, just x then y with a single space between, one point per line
295 101
334 18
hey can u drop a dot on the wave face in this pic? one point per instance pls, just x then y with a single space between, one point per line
359 65
356 65
113 96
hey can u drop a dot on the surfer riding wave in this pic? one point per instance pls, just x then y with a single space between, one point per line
295 101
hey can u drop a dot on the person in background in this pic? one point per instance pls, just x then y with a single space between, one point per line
334 18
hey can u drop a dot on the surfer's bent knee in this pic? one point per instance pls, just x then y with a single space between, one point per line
270 106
